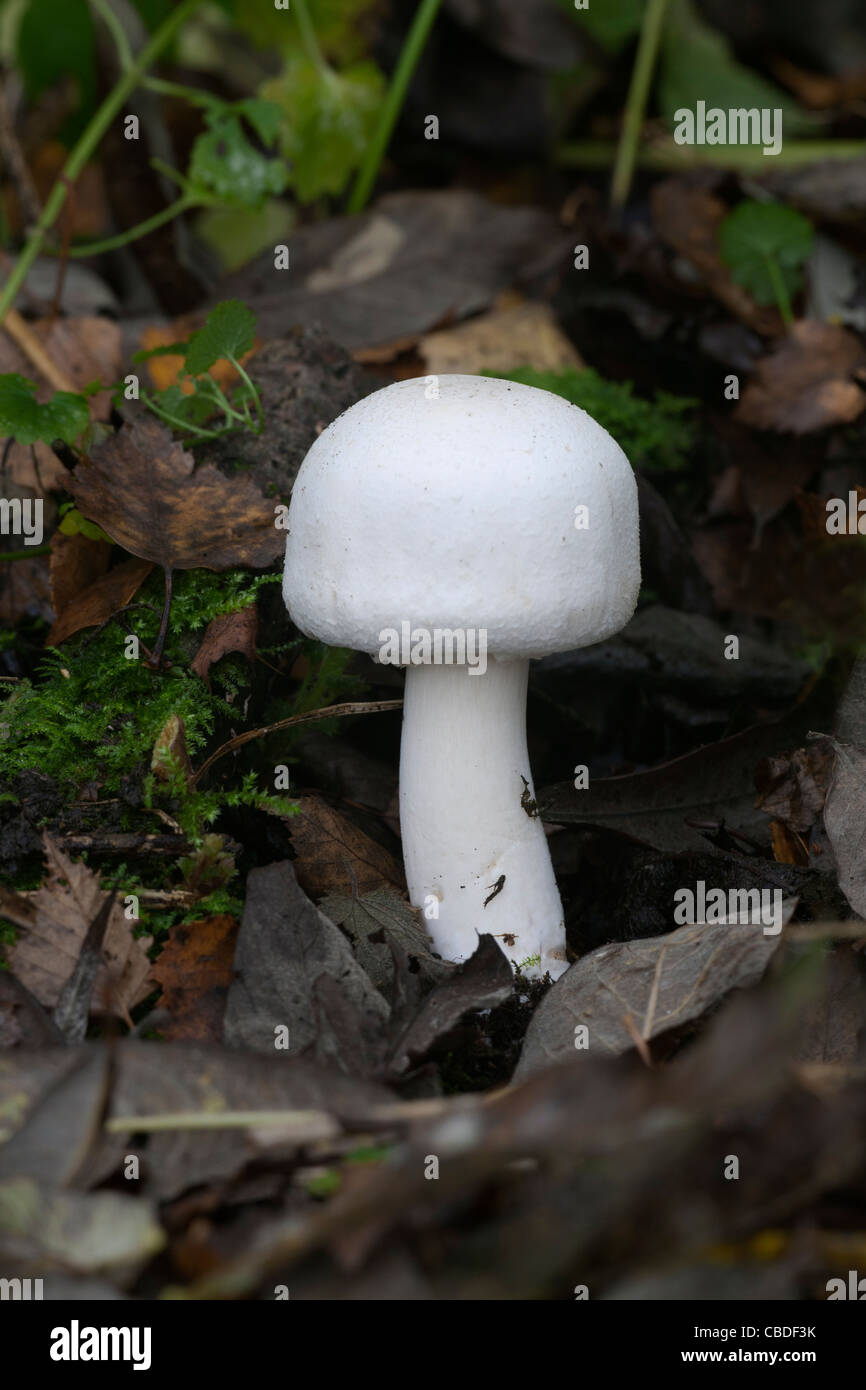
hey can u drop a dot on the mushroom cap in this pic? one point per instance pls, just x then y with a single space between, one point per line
450 502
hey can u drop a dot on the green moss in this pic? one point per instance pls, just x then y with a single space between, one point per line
655 435
93 713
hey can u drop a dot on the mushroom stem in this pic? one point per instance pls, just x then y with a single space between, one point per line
474 848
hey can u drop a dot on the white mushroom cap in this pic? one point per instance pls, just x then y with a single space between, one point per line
457 510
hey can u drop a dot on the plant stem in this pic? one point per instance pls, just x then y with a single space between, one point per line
402 76
24 554
308 36
150 224
635 107
780 290
113 24
85 146
255 395
664 156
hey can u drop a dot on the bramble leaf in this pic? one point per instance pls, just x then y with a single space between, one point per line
29 421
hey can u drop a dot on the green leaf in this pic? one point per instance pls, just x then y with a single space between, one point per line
74 524
55 40
755 237
697 65
329 120
612 26
28 421
265 117
655 435
229 331
226 166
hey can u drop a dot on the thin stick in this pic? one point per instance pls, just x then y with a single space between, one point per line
23 336
330 712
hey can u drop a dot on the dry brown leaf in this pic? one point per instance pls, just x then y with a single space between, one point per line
687 217
89 348
230 632
331 849
793 786
195 969
76 563
143 488
521 335
807 383
101 599
55 921
169 751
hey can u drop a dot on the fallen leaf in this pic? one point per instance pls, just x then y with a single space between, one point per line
55 921
285 943
23 1021
520 335
660 982
405 267
195 969
73 1106
229 632
792 786
76 562
370 920
845 821
806 382
482 982
334 856
170 752
91 1232
687 217
99 601
142 487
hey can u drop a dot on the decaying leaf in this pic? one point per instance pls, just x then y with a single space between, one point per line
94 1232
53 925
96 602
808 382
230 632
334 856
369 921
195 969
144 490
511 335
644 988
284 945
792 786
845 822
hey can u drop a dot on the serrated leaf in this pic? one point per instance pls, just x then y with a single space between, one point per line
29 421
224 164
755 236
229 331
264 117
329 120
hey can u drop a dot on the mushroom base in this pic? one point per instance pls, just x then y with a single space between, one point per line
475 853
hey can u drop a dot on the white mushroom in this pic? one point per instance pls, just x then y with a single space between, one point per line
502 515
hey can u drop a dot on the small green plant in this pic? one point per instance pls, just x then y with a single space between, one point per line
655 435
766 245
228 334
29 421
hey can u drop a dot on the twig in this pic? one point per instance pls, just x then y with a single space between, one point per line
23 336
638 92
330 712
